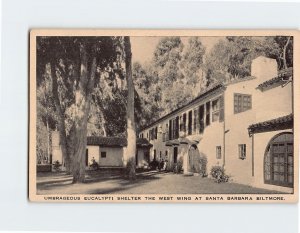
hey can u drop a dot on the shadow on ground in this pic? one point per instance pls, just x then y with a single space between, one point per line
150 182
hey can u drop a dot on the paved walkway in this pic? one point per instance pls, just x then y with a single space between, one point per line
152 182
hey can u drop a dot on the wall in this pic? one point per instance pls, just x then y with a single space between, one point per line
273 103
93 153
210 139
236 127
114 157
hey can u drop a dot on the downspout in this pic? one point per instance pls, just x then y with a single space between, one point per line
224 130
252 154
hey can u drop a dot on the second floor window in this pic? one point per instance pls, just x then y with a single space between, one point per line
183 123
242 103
207 113
190 122
218 109
201 119
196 124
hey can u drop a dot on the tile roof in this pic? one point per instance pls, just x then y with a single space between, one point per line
280 123
279 79
115 141
213 87
106 141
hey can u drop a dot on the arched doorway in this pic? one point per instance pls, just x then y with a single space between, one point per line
279 161
193 159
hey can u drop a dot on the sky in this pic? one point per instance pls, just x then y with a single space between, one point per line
143 47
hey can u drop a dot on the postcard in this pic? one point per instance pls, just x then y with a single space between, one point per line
180 116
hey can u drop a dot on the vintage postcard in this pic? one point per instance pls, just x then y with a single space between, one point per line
164 116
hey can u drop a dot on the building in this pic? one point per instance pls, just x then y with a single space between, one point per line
244 125
106 151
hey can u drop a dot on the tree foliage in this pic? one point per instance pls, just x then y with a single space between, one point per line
75 66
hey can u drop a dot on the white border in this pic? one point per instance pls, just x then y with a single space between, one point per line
16 213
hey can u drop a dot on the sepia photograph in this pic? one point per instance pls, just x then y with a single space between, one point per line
162 116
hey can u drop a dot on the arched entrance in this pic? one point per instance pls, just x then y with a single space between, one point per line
193 159
279 161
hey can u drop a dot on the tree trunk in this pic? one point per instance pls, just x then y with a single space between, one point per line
48 140
82 106
61 119
131 131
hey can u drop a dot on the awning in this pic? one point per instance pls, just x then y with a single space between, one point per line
280 123
174 142
185 141
169 143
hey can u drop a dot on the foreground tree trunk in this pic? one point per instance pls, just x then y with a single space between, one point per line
82 109
61 120
131 132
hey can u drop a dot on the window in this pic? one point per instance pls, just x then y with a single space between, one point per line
170 130
183 123
218 152
207 113
190 122
242 103
153 133
217 109
195 120
242 151
201 119
176 127
103 154
166 133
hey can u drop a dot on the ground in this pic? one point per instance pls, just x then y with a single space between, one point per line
152 182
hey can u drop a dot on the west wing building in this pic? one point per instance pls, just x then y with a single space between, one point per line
245 126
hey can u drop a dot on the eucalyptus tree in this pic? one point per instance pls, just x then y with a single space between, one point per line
75 65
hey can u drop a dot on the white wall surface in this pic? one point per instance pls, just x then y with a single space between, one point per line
114 157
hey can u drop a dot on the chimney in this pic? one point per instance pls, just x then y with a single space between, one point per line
264 68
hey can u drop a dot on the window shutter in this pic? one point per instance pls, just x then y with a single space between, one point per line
221 118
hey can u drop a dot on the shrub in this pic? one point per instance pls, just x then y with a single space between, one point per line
56 166
200 165
130 169
218 173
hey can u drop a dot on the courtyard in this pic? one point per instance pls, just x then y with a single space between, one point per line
150 182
